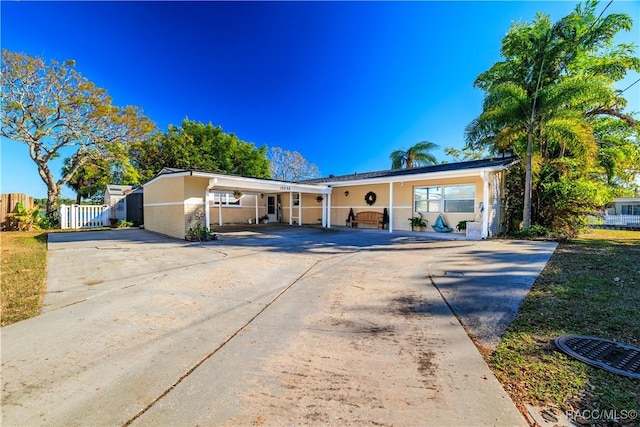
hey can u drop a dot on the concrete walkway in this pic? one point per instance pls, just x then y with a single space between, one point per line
288 325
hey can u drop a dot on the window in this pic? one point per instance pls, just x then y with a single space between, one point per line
227 199
295 198
427 199
459 198
630 209
451 198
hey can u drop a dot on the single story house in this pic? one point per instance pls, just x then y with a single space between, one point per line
177 199
625 206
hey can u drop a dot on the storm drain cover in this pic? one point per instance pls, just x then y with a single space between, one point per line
612 356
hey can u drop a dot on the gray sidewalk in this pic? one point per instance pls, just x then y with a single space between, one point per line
293 326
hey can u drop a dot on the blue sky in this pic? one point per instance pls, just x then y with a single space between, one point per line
343 83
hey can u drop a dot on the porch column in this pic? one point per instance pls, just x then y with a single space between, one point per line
329 210
390 225
207 199
485 204
324 211
290 208
299 209
220 209
256 201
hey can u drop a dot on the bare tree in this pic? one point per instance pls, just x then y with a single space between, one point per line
53 107
288 165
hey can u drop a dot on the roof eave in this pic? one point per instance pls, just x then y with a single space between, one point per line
419 176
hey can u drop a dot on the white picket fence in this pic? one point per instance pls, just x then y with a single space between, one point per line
84 216
616 220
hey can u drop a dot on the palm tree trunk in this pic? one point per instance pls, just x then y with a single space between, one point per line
526 213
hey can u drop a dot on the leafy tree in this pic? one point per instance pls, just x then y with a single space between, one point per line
288 165
619 153
200 147
54 109
88 180
91 179
542 101
465 154
417 155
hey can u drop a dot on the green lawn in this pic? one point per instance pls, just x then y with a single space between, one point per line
24 270
591 286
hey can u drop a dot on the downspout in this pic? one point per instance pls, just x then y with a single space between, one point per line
207 194
485 204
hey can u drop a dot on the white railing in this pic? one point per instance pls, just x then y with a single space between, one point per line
616 220
84 216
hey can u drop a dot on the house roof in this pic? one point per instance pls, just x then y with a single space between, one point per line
224 182
322 185
119 190
484 164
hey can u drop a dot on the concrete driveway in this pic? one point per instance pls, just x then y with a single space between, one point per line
270 326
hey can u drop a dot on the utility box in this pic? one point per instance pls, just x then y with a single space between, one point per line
474 231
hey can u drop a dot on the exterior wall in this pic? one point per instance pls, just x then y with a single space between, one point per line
164 207
167 219
237 215
311 209
402 201
341 204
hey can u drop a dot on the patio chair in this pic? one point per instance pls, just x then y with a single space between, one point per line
440 226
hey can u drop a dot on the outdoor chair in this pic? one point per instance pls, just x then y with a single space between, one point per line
440 226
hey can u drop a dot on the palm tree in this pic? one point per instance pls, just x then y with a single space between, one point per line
417 155
539 101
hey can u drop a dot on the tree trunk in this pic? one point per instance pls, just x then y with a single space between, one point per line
53 190
53 193
526 213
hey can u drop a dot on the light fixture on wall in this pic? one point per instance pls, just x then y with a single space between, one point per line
346 193
262 195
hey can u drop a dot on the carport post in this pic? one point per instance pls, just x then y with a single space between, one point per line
257 219
207 198
324 211
329 210
390 225
485 204
299 209
290 208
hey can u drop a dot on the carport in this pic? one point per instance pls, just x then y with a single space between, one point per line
257 188
177 200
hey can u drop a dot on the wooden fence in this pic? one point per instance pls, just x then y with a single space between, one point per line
8 204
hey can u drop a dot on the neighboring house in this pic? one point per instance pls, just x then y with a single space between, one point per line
625 206
114 197
176 200
125 203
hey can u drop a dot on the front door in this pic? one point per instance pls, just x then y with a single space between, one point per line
272 212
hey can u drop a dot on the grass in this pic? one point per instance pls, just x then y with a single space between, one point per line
24 269
591 286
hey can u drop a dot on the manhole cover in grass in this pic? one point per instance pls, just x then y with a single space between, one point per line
612 356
